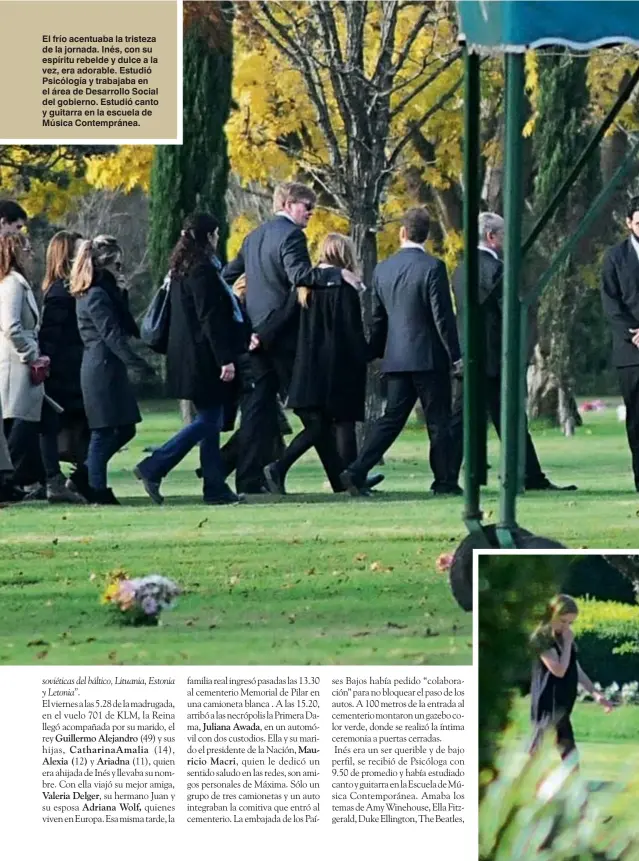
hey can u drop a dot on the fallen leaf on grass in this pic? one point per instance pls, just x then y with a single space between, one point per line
310 572
378 566
41 655
112 656
38 643
291 618
92 575
212 625
360 557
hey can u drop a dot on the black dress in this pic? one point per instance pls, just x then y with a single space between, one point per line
329 374
553 697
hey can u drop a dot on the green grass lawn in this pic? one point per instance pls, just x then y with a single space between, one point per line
607 743
314 578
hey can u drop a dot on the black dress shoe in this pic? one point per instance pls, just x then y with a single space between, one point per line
11 493
351 484
229 498
447 490
78 482
274 481
104 497
373 480
548 485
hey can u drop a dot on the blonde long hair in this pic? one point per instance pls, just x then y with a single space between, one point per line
93 254
59 259
560 605
335 250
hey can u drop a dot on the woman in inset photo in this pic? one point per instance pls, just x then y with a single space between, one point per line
556 674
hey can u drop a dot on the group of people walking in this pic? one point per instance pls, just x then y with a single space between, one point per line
63 367
267 326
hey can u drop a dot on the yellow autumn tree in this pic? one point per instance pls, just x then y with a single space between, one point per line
338 94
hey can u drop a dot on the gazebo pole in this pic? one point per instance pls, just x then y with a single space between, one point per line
474 409
511 384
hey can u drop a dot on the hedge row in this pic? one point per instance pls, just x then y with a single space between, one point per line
607 637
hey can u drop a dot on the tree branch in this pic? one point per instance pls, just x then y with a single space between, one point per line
392 159
399 107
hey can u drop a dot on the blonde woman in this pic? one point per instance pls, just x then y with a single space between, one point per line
60 340
20 396
556 674
106 326
328 385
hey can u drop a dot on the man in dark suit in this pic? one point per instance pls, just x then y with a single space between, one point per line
275 259
491 269
414 330
620 299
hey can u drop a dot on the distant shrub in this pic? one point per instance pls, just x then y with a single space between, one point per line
607 635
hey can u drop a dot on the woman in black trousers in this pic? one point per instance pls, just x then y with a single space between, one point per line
328 387
60 340
106 325
207 336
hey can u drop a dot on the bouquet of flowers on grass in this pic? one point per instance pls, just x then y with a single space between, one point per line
141 600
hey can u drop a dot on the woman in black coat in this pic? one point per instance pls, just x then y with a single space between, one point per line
328 386
60 340
105 324
207 335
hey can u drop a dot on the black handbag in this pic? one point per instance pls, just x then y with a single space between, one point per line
154 328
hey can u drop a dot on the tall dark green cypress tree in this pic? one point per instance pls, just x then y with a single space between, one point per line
194 176
562 130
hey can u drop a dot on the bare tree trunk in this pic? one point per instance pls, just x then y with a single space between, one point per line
549 398
366 249
187 411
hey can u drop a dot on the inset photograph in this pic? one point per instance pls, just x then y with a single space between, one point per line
558 655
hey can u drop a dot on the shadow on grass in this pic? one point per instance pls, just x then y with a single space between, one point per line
296 499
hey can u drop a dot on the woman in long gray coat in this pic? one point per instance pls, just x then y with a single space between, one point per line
19 322
106 326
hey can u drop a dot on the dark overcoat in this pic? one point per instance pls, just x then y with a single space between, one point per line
491 276
330 363
414 327
620 300
203 336
60 340
105 324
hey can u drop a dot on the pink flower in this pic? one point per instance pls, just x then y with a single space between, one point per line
443 563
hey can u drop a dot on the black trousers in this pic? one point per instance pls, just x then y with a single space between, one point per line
259 424
534 476
321 433
564 735
629 384
433 388
24 447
